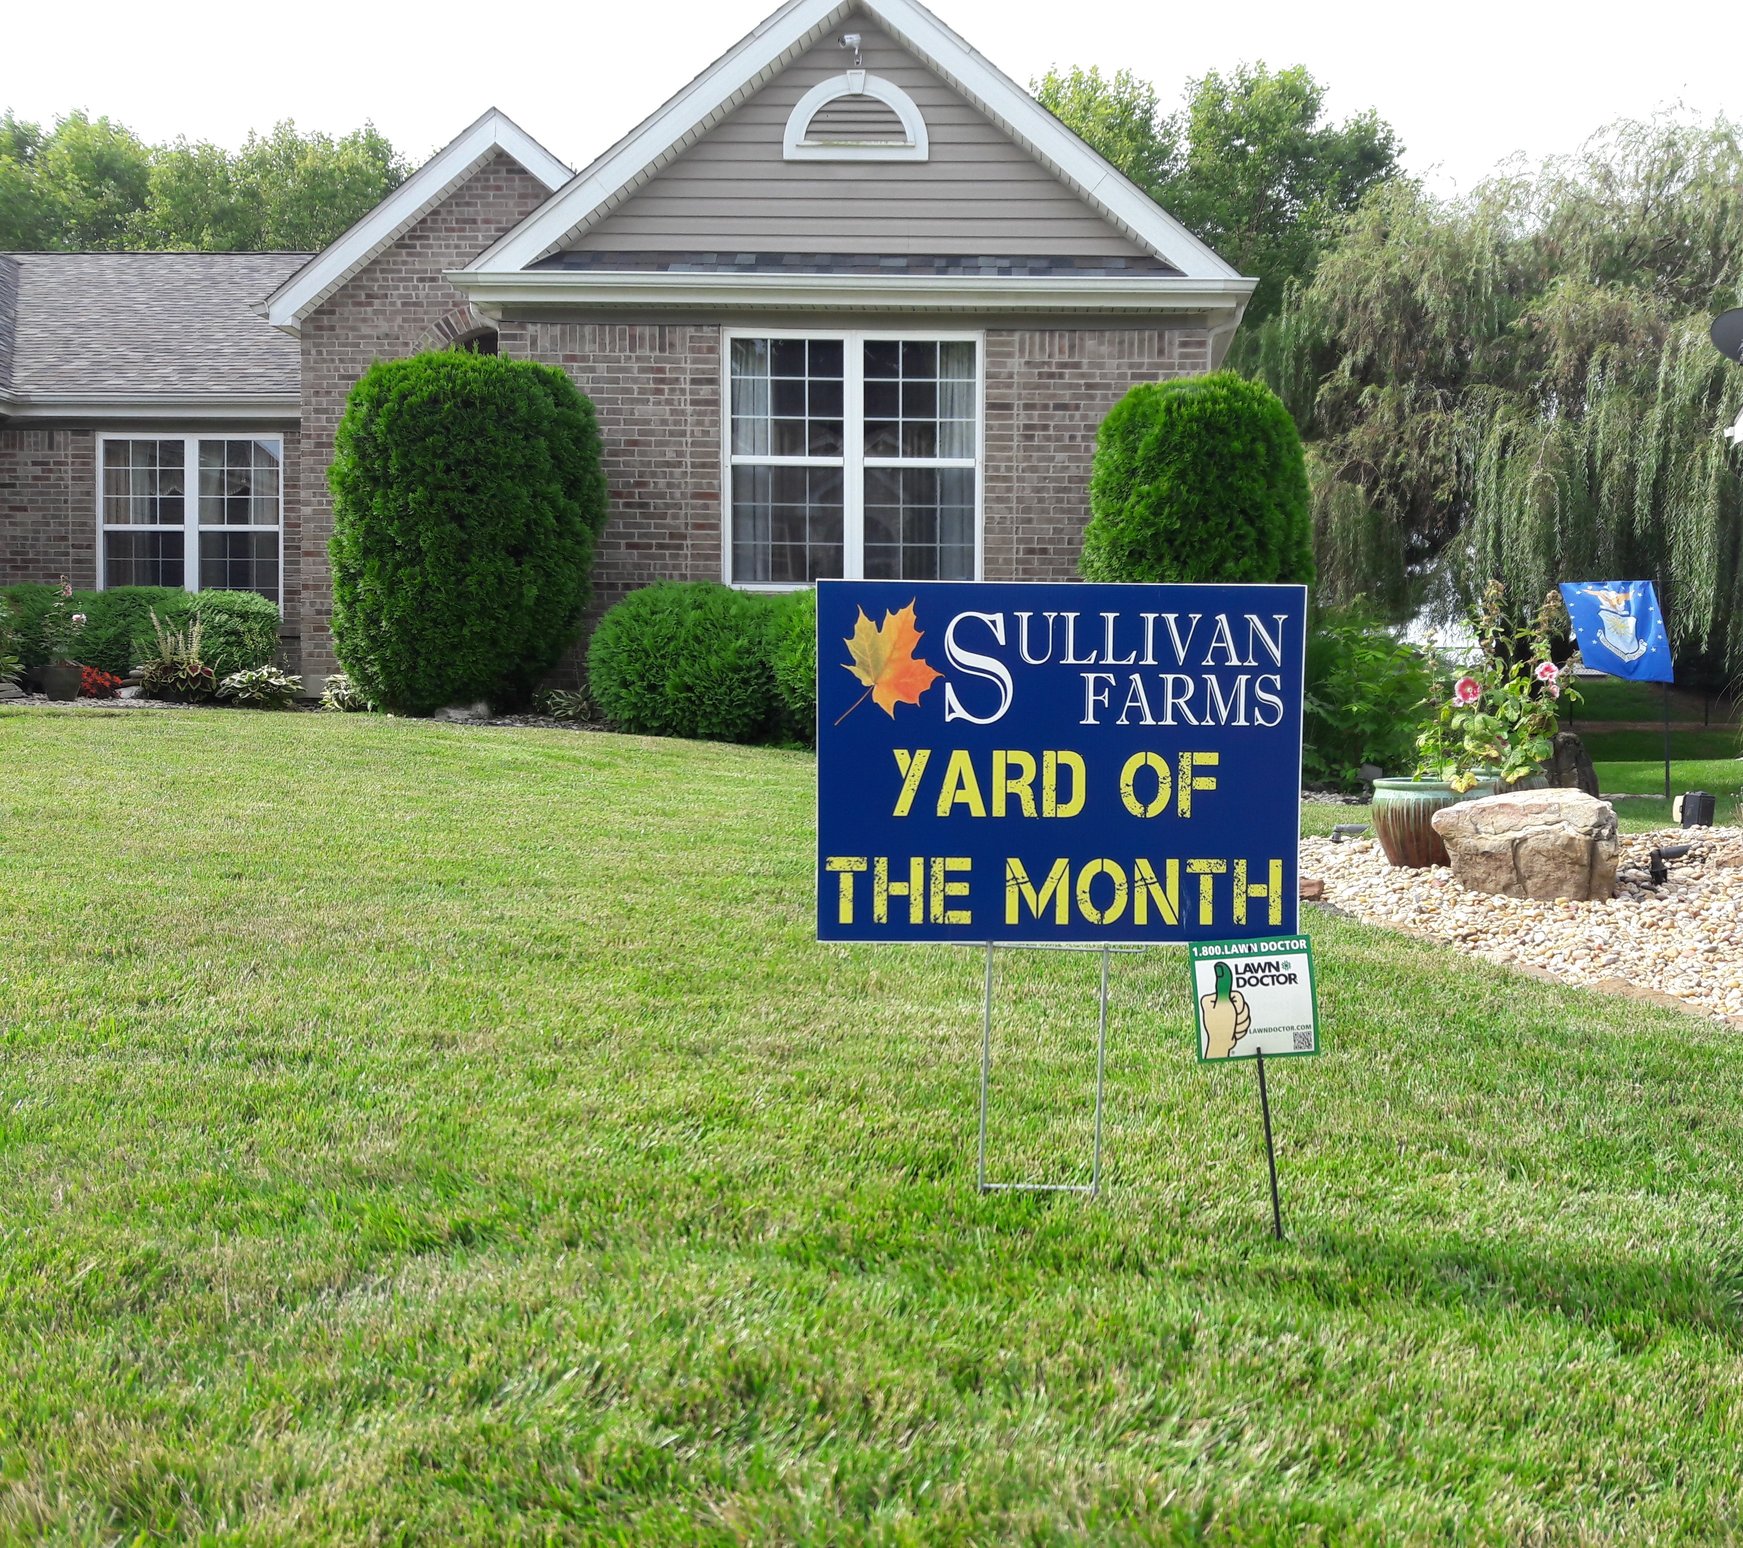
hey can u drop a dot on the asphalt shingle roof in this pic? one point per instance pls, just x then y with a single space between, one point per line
145 324
8 316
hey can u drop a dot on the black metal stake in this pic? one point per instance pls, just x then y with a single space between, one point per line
1667 741
1270 1150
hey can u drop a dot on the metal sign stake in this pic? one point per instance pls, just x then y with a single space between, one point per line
1093 1187
1270 1149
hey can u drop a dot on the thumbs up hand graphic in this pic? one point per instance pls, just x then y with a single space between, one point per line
1226 1016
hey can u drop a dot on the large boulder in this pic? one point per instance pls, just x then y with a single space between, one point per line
1533 844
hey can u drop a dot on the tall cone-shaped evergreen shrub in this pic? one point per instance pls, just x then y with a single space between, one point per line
1201 479
467 498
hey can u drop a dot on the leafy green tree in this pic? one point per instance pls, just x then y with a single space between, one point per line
24 221
310 188
1248 164
74 188
91 184
195 204
1118 116
1264 180
1517 385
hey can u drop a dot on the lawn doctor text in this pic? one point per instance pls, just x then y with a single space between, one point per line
1057 763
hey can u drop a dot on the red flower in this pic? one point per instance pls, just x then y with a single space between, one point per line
1467 690
94 683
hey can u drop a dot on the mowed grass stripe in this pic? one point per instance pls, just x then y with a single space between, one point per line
410 1131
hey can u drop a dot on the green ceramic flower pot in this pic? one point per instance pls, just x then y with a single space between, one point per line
1402 811
60 682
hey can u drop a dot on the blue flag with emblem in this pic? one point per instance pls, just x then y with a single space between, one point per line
1619 629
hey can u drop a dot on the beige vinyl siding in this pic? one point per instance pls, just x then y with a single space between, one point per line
978 194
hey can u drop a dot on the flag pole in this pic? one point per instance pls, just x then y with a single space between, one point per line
1667 741
1664 613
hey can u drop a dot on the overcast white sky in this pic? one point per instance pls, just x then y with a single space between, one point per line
1465 85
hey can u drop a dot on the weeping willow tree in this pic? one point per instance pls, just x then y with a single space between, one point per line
1518 385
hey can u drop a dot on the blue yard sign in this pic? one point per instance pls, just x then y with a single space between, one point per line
1619 629
1057 763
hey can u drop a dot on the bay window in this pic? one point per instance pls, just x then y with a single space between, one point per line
852 455
198 511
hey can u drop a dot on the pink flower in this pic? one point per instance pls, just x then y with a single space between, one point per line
1467 690
1547 672
1552 687
66 587
78 620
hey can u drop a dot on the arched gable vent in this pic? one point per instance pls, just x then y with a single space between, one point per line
855 117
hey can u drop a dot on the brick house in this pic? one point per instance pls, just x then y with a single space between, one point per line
851 303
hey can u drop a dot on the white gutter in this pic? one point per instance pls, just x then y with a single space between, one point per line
861 292
116 405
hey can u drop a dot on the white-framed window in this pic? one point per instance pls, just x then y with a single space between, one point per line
204 512
852 454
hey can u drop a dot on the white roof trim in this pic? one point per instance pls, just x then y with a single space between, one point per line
273 407
756 59
501 290
299 295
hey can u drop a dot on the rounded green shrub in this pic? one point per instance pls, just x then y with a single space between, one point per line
685 658
467 497
793 656
238 629
1201 479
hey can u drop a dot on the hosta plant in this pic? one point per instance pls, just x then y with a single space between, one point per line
339 693
569 704
263 687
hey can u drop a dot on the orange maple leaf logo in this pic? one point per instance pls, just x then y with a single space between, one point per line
884 660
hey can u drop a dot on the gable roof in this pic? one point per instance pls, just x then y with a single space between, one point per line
86 332
402 209
778 41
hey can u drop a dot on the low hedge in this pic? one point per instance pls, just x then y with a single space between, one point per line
793 652
698 659
240 628
686 658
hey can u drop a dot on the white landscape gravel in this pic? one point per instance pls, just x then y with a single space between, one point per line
1679 941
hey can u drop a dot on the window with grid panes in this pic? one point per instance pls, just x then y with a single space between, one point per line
226 537
853 455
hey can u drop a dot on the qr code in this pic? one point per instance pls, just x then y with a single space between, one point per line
1304 1039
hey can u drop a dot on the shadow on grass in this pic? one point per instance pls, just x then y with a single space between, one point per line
1635 1300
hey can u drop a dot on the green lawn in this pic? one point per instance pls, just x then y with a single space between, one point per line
1647 746
411 1132
1613 698
1721 777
